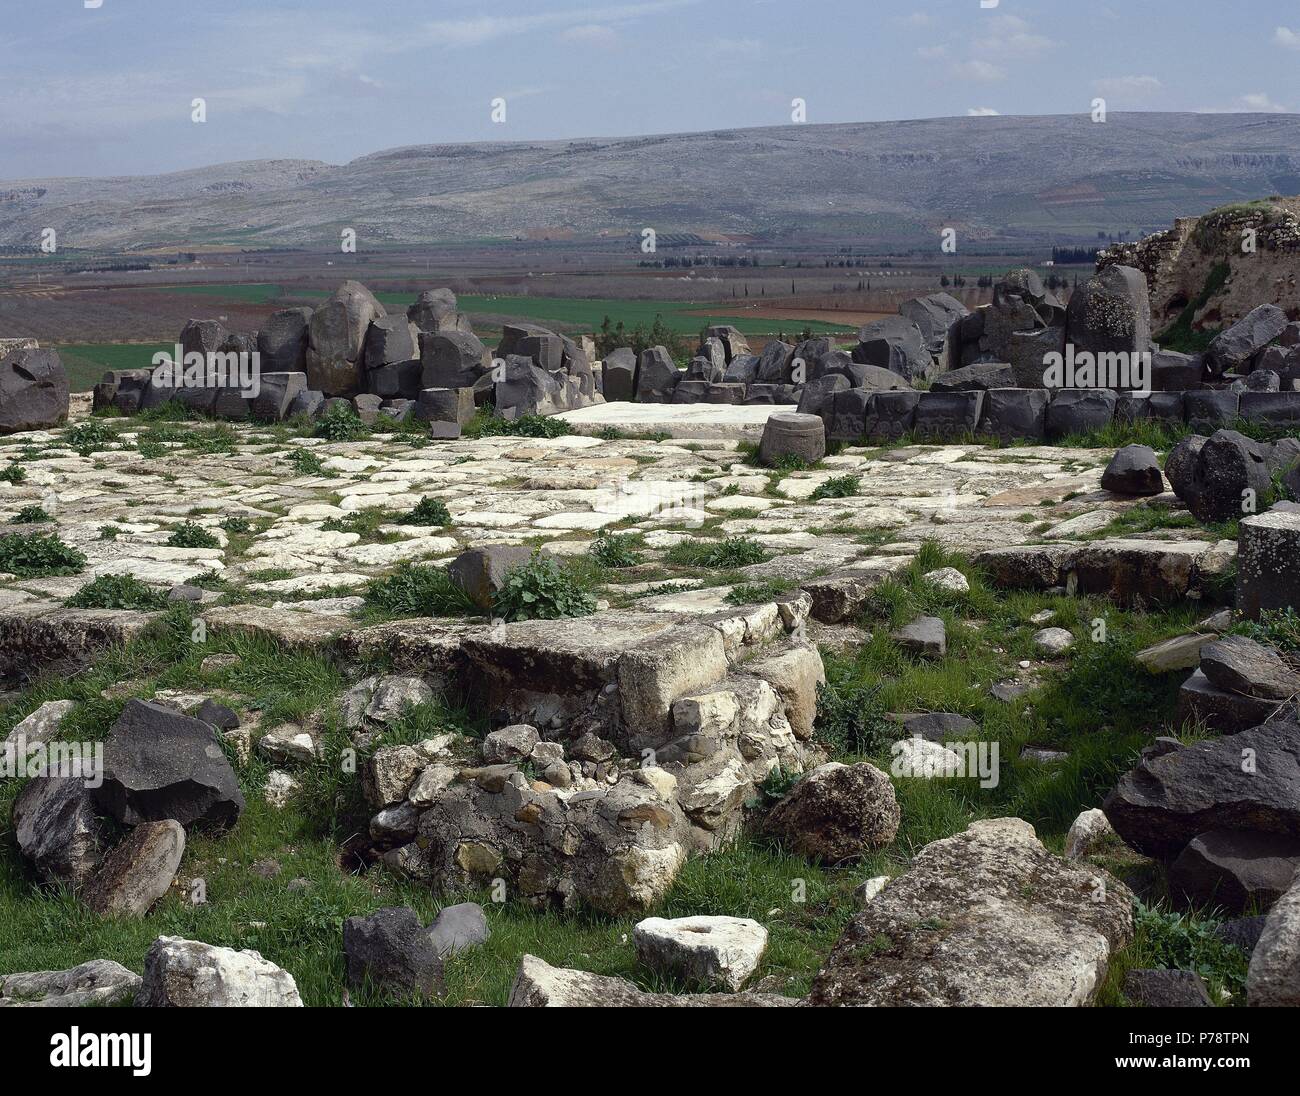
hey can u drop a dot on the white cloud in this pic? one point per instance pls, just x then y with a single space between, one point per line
1260 101
590 34
982 71
919 19
1285 36
476 30
1255 102
932 53
983 112
1011 36
1131 86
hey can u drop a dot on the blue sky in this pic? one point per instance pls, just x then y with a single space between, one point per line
108 90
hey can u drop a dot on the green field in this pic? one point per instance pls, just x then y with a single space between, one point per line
87 362
570 313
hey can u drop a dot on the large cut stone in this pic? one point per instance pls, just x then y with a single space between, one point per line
1133 470
452 359
980 377
481 572
836 813
620 375
161 764
786 435
948 416
540 985
1240 665
389 952
139 871
1232 349
1011 413
1207 410
190 974
282 341
1235 869
33 391
897 344
337 338
707 952
1248 781
891 415
1268 563
1079 411
1030 929
100 982
1273 980
1111 313
656 375
57 830
1230 477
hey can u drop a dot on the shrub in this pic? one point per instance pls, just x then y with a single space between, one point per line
30 515
33 555
89 436
15 473
1177 941
541 590
117 592
616 549
1278 628
526 426
237 525
726 554
190 535
419 590
851 717
341 423
838 487
427 512
305 462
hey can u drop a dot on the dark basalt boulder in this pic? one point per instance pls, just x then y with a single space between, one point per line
1166 800
160 764
1133 470
33 391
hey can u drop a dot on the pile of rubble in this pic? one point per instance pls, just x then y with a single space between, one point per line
426 364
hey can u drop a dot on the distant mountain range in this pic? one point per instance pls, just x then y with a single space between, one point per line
995 179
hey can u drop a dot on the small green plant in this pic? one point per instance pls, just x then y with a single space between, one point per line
117 592
305 462
417 589
851 717
1278 628
237 525
616 549
838 487
1178 941
755 593
191 535
427 512
726 554
541 590
15 474
30 515
109 532
89 436
610 433
775 787
35 555
150 449
341 423
526 426
366 523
